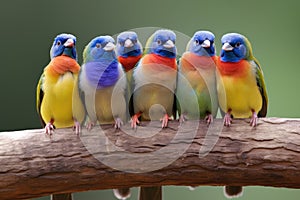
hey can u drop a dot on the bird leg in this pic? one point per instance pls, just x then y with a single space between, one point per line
49 128
135 120
182 118
90 125
209 118
77 127
254 119
118 123
227 118
165 119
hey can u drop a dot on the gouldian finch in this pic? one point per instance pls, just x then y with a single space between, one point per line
155 79
129 52
154 87
55 88
240 84
102 75
197 77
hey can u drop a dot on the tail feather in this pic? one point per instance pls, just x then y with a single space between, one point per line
66 196
233 191
122 193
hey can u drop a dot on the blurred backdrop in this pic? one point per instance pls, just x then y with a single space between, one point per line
28 28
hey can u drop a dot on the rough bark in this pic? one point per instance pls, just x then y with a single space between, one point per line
34 165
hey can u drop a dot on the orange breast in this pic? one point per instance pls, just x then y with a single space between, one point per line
159 61
62 64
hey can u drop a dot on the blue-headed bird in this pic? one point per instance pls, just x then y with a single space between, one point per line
154 87
196 76
129 52
55 88
155 79
241 87
102 83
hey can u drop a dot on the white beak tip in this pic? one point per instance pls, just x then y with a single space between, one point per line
109 46
227 47
169 44
206 44
128 43
69 43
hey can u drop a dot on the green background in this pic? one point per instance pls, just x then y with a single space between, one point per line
28 28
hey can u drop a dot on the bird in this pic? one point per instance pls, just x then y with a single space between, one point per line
55 98
240 84
54 92
155 79
101 79
129 52
196 78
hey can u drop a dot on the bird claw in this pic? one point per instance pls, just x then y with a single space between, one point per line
49 129
90 125
209 119
254 119
118 123
134 121
77 127
227 119
165 121
182 118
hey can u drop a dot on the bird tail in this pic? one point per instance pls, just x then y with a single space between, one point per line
122 193
233 191
65 196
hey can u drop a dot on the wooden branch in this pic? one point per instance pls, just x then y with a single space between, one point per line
34 165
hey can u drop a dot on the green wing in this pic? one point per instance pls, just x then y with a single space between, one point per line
262 88
39 98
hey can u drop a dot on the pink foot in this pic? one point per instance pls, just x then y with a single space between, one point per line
49 128
182 118
135 120
77 127
209 119
165 121
227 119
118 123
254 119
90 125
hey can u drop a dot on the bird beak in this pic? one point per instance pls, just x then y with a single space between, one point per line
169 44
69 43
128 43
109 46
227 47
206 44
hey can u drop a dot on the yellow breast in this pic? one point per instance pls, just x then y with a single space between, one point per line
239 94
57 101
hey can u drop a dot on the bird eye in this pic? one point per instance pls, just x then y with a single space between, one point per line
237 44
58 43
98 45
158 42
197 42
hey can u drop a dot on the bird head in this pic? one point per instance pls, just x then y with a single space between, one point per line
202 43
64 44
101 47
162 43
235 47
128 44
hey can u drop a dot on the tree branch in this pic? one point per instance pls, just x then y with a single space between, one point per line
34 165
